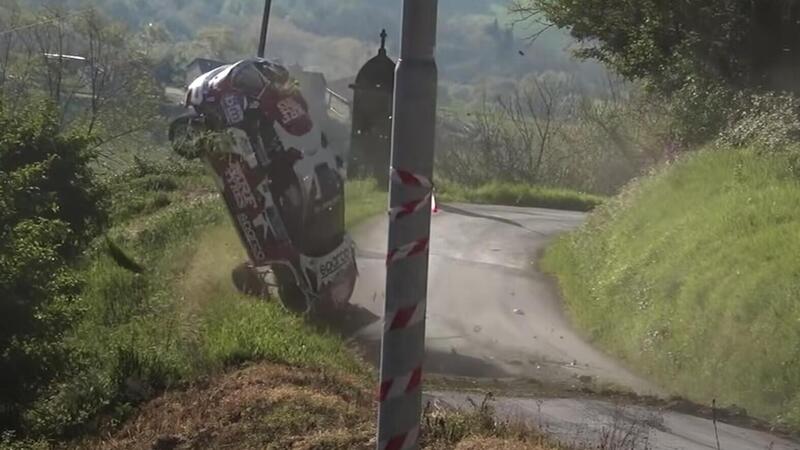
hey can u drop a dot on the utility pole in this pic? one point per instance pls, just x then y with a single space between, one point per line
262 39
414 124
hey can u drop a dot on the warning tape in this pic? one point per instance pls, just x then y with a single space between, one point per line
401 385
404 318
420 245
409 208
406 251
410 179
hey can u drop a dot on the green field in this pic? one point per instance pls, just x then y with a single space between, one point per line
691 276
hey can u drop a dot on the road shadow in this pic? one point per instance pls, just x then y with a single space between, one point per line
437 362
463 212
345 321
349 321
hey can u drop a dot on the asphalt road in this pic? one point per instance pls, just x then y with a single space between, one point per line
491 312
591 422
493 315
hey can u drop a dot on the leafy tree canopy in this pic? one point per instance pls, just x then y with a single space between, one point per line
50 208
744 43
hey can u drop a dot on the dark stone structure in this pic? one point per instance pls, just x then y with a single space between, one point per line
372 118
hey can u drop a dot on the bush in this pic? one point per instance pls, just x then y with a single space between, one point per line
699 110
691 277
50 209
148 186
563 139
769 122
520 194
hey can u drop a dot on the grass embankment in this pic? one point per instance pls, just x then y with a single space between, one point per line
181 318
267 406
518 194
175 357
692 276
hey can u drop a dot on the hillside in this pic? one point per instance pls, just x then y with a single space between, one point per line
691 276
478 41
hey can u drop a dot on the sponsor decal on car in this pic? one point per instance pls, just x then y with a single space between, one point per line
250 236
236 182
330 266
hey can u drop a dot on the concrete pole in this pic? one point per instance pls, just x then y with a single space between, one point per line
414 124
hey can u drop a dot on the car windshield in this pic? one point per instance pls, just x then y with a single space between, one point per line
247 78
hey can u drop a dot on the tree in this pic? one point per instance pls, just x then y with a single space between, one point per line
743 43
88 67
511 138
50 209
535 116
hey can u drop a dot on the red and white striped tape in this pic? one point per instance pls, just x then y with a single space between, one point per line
406 251
420 245
403 441
402 318
401 385
409 208
405 317
410 179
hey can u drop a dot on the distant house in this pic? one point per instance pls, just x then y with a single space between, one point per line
198 67
76 70
75 61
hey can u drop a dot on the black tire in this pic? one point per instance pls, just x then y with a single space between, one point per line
247 281
292 297
179 136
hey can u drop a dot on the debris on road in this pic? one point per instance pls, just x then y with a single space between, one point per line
519 312
477 328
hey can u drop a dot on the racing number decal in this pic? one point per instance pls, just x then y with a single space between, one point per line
290 110
233 109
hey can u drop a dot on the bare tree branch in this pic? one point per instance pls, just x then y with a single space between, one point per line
530 13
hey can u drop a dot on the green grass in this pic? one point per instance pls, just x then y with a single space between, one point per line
182 318
692 276
146 187
518 194
363 200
